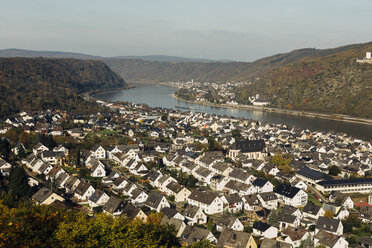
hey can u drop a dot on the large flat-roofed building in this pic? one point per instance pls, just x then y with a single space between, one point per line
311 176
356 185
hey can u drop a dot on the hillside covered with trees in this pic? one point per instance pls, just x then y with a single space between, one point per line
333 83
41 83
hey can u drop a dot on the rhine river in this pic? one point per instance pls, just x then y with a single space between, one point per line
160 96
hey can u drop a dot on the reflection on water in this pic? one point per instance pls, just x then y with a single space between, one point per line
160 96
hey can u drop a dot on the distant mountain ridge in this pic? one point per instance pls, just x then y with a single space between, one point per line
14 52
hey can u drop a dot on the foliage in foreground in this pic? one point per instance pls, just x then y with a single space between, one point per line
46 226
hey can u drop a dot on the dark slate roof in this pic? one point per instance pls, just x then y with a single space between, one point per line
249 145
96 196
190 211
327 224
130 211
261 226
287 190
170 212
259 182
113 204
154 199
174 187
345 181
313 174
311 208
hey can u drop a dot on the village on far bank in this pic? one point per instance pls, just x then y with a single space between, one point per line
230 181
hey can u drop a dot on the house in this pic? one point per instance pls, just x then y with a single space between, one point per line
271 243
5 168
263 185
235 239
156 201
172 213
209 201
83 191
294 236
344 200
251 202
133 212
329 225
53 157
193 234
45 196
138 196
181 193
39 148
340 212
178 224
291 195
264 230
312 211
114 206
253 149
98 198
218 182
286 220
229 222
233 201
71 183
292 211
194 215
268 200
329 240
99 152
120 183
98 169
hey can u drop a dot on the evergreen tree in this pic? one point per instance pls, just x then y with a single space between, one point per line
19 189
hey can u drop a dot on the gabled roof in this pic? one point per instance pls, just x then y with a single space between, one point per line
131 211
113 204
96 196
261 226
287 190
154 199
42 194
294 233
229 238
192 234
327 224
249 145
206 197
311 208
326 238
259 182
191 211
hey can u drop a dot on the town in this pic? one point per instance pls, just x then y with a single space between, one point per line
230 181
215 93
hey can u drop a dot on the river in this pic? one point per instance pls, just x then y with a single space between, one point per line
160 96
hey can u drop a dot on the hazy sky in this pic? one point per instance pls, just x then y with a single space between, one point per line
242 30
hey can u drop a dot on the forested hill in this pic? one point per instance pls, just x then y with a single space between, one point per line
331 83
41 83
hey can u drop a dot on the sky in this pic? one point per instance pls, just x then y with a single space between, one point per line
242 30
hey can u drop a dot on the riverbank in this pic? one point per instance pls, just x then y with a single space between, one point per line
334 117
